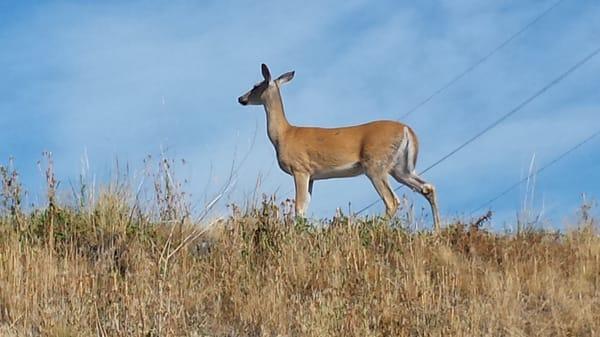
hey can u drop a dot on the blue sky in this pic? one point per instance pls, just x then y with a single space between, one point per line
117 79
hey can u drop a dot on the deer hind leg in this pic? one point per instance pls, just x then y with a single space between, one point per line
419 185
404 172
382 185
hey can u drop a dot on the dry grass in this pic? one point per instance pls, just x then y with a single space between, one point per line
111 269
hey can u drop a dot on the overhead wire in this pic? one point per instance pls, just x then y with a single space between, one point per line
466 71
538 171
498 121
480 60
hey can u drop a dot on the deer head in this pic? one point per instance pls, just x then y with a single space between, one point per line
259 93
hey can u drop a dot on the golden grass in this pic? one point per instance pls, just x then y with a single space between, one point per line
113 270
262 274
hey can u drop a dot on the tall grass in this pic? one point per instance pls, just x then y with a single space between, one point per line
115 267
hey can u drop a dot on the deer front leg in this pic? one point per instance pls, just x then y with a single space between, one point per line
302 182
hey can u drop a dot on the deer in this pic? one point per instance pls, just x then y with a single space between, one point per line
376 149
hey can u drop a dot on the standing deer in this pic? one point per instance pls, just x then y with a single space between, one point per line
376 149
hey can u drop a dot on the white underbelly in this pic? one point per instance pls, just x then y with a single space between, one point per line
350 170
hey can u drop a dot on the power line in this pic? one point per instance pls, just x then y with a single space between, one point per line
550 163
480 61
503 117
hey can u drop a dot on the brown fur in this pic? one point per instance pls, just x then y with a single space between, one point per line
377 149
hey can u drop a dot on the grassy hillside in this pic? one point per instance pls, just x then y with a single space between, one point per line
109 267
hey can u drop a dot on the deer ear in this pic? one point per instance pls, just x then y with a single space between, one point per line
285 77
265 72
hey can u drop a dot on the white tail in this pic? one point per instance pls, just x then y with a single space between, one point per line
376 149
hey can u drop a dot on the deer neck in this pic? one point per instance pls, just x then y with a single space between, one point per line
277 123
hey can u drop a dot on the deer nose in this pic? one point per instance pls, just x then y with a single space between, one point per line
242 101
